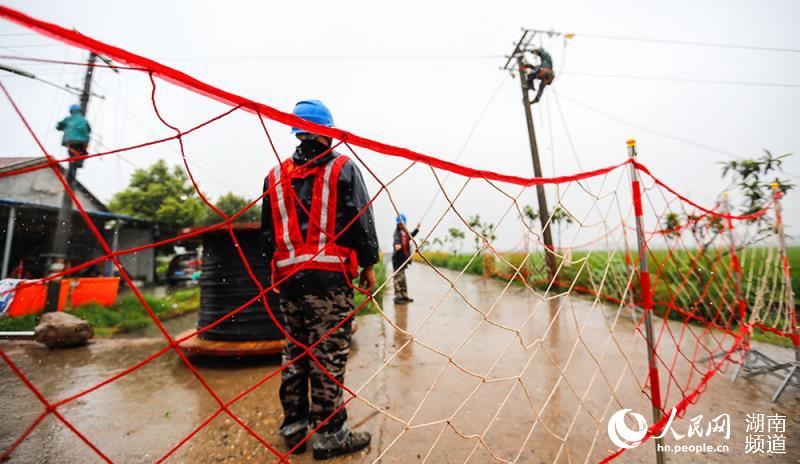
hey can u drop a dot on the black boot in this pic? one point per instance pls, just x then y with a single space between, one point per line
292 440
355 441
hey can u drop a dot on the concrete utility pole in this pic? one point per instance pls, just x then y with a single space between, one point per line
63 230
544 213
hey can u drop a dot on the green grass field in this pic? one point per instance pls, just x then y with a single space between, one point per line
380 279
607 273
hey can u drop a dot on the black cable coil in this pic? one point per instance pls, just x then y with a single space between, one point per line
225 285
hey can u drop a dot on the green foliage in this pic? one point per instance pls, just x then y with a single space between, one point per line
705 230
793 254
452 241
380 279
456 262
485 230
473 265
160 194
18 324
751 177
230 204
455 235
670 223
769 337
530 214
557 216
162 266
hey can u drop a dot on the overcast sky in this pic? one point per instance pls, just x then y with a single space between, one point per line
419 75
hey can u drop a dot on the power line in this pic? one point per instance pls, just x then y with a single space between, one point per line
45 61
28 75
124 110
335 57
681 79
567 131
689 43
578 74
572 35
654 131
464 144
646 129
35 46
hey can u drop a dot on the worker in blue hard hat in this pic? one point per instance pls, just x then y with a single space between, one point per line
76 133
401 258
316 238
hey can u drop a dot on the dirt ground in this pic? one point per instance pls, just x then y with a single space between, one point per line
466 389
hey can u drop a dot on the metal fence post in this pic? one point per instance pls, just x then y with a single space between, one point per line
794 368
736 269
12 216
647 297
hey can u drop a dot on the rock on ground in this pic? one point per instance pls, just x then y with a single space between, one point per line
62 330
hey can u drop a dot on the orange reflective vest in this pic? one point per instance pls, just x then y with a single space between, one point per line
317 250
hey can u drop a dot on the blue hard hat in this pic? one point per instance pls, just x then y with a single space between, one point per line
401 219
314 111
74 108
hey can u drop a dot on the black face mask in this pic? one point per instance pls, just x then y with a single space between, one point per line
309 150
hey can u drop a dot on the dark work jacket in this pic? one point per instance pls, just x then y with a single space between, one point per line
360 236
402 238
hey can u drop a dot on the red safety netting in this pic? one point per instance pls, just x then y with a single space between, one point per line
533 358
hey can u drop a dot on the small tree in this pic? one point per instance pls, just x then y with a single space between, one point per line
436 243
230 204
751 176
160 194
557 216
670 224
454 238
485 230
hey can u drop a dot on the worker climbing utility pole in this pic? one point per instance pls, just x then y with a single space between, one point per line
63 229
544 213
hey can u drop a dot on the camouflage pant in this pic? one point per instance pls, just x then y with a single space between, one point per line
400 286
307 319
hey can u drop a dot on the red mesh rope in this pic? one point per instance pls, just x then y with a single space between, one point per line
705 291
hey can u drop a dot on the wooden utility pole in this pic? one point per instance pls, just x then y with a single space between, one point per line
63 229
544 213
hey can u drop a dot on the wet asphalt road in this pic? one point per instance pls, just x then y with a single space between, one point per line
465 390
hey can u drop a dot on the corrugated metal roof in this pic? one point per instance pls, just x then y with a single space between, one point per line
99 214
8 161
12 163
